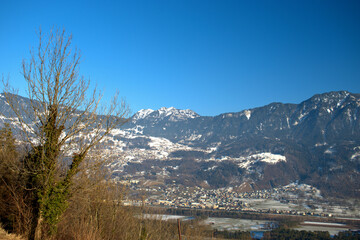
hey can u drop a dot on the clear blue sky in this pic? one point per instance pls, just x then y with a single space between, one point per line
209 56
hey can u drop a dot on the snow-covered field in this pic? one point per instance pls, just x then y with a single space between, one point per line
235 224
264 204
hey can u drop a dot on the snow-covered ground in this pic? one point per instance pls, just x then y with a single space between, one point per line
235 224
266 157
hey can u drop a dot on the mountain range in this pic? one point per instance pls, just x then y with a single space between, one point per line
316 142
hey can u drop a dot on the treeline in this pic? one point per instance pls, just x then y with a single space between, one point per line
204 213
242 235
290 220
289 234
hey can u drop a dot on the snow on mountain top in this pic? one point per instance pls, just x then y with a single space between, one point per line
176 114
166 111
171 112
330 98
143 113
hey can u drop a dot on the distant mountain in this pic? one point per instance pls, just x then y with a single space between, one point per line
316 142
169 114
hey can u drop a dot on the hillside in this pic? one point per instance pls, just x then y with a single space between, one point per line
316 142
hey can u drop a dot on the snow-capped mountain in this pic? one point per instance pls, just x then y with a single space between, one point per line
314 142
170 114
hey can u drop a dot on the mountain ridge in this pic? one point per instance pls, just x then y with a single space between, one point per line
315 142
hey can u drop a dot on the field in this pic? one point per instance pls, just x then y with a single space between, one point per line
235 224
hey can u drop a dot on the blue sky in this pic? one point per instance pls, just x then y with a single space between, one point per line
208 56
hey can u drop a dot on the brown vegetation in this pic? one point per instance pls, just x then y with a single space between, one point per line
95 211
14 213
6 236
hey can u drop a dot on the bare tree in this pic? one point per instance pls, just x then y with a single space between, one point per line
65 117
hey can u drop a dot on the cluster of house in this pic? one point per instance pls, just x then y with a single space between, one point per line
177 196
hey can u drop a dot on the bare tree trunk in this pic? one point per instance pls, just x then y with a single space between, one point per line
34 220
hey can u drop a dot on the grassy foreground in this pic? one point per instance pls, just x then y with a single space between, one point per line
7 236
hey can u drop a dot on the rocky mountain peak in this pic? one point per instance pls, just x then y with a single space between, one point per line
171 114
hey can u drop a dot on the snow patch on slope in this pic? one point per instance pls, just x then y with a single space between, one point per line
266 157
356 155
247 114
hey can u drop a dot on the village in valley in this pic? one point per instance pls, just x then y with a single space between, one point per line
293 199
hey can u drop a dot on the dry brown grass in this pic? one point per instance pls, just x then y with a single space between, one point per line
7 236
95 212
